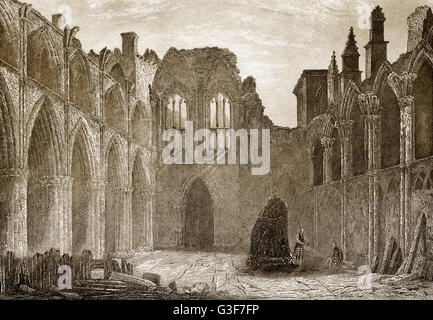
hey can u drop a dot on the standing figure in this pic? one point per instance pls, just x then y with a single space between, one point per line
299 247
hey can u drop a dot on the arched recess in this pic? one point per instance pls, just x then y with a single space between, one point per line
389 212
199 217
115 111
8 33
140 204
141 124
118 75
115 202
423 92
79 82
83 174
317 159
321 101
336 156
390 124
47 185
43 62
358 140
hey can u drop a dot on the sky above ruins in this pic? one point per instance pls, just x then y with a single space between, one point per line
274 40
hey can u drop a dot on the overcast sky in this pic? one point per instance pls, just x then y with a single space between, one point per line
274 40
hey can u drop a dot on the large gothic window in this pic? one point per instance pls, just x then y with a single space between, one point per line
176 112
317 160
220 112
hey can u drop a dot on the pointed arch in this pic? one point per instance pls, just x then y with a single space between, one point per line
115 108
82 131
8 33
381 79
422 54
141 123
7 128
44 132
79 81
118 74
43 59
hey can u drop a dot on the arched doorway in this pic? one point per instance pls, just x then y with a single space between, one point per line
199 217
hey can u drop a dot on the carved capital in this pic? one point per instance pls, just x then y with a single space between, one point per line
345 128
369 103
401 84
327 143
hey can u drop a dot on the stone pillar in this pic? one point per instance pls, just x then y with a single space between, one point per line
327 144
93 236
402 87
53 195
406 159
345 132
13 212
369 104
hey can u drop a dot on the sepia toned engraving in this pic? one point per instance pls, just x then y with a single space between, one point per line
127 175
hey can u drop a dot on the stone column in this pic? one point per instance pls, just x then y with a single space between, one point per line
406 159
55 198
13 211
402 87
369 104
327 144
345 132
93 236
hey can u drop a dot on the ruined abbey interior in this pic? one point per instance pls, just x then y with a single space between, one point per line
80 145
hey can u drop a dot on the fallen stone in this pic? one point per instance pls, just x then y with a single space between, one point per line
27 289
348 265
155 278
420 266
70 295
399 280
396 261
97 274
131 280
172 285
201 287
390 247
417 248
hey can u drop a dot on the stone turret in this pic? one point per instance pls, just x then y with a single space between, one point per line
333 79
376 48
350 59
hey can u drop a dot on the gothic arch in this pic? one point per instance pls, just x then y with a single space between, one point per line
83 130
423 53
115 109
79 81
349 98
8 33
381 78
47 183
43 59
51 129
7 128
